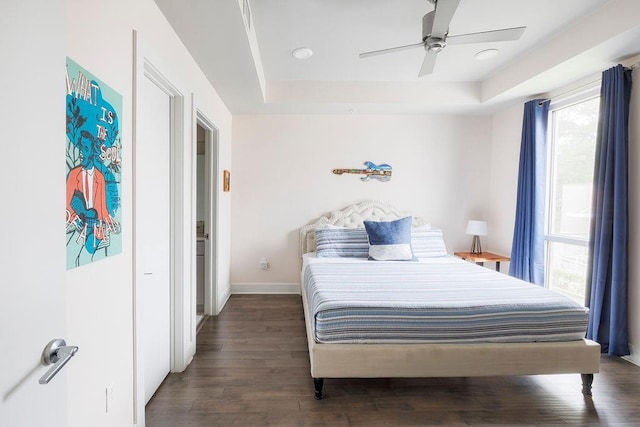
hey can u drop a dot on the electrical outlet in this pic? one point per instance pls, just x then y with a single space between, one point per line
264 264
109 395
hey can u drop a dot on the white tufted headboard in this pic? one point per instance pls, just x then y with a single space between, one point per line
352 216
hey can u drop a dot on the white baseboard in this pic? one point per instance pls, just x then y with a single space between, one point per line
265 288
222 301
633 357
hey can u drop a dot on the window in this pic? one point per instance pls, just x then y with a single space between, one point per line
572 141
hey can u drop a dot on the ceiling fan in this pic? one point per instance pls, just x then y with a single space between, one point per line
435 35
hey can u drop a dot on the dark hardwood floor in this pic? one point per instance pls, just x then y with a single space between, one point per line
252 369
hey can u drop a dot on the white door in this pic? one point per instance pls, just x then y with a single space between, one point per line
152 233
32 190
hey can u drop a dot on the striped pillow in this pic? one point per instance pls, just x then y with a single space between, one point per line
390 240
428 243
341 242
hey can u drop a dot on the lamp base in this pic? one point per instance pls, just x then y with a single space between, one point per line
476 248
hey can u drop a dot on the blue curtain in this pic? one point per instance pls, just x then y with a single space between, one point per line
527 250
607 281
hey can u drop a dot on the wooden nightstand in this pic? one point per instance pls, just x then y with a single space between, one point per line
482 257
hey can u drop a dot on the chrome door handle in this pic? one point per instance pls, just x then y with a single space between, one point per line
56 353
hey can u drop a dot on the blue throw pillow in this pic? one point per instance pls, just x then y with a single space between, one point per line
390 240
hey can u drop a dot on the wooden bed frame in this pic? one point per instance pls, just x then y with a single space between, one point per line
433 360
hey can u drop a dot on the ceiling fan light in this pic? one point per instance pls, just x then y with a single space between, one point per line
302 53
486 54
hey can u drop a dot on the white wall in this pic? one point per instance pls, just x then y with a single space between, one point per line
505 155
99 36
281 179
505 150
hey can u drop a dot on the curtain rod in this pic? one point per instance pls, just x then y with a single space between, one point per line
575 89
634 66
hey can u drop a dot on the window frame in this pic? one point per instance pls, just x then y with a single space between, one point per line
588 92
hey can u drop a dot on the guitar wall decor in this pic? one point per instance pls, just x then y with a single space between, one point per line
380 172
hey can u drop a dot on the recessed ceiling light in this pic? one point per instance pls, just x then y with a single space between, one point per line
302 53
486 54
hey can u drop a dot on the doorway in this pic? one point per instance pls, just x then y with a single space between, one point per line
159 244
176 182
152 232
206 218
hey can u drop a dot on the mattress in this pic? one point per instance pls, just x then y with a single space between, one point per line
435 300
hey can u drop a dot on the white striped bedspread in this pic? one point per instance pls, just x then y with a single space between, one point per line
436 300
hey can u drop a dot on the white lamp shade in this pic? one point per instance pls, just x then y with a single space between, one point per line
477 228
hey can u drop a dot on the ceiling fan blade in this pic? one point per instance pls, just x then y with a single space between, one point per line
428 63
389 50
503 35
445 10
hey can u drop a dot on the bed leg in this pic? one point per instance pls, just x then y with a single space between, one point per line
587 380
318 383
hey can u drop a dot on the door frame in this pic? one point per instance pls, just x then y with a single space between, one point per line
212 162
149 64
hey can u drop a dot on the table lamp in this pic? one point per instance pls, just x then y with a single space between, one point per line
476 229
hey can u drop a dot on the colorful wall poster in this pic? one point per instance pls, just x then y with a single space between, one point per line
94 168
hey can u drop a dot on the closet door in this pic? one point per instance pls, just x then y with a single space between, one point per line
152 233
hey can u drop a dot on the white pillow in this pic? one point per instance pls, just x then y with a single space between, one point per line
428 243
332 242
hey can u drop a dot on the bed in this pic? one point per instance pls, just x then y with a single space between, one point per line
417 351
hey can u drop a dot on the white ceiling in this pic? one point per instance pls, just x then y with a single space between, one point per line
565 41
